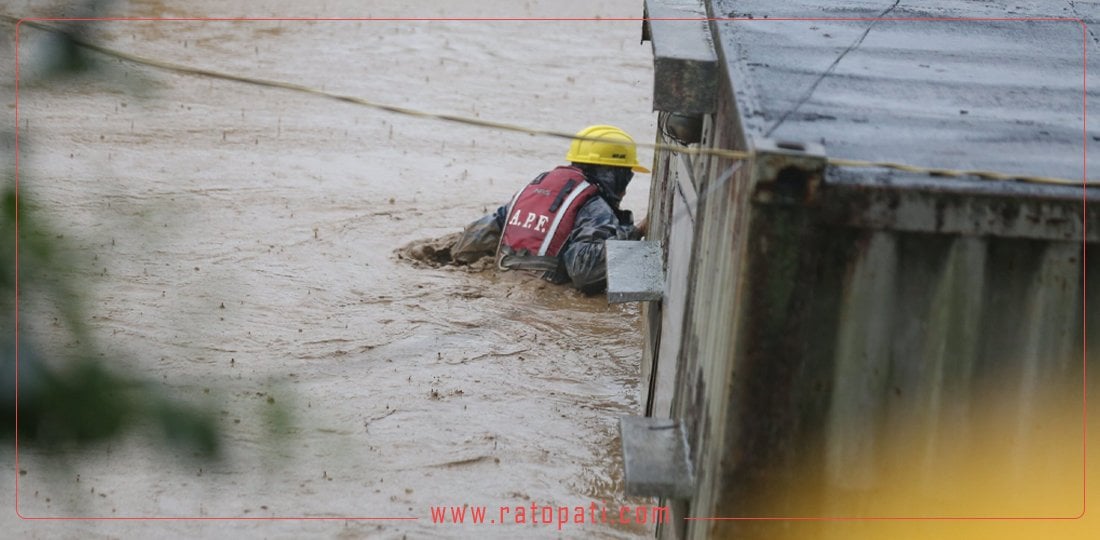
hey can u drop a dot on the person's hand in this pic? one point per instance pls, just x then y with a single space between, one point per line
642 226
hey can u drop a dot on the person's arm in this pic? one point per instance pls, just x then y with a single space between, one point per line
480 238
585 256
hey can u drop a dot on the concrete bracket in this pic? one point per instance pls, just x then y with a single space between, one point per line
786 172
685 65
634 271
655 458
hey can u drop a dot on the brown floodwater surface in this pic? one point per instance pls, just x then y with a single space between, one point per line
237 246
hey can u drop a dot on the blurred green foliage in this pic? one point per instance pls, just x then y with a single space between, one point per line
75 400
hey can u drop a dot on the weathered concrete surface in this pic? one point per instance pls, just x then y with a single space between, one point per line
924 205
634 272
655 457
822 333
685 65
996 95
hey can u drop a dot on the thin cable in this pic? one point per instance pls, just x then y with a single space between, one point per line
735 155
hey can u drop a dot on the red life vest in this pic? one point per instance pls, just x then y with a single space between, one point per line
540 218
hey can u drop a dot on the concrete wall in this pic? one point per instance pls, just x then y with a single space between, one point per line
786 343
806 322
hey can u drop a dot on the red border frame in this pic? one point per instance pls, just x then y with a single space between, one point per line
824 518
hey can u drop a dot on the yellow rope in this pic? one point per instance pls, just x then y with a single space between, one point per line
698 151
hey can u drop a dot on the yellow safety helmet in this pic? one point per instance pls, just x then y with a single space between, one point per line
615 148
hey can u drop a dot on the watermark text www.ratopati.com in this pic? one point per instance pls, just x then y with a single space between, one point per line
559 516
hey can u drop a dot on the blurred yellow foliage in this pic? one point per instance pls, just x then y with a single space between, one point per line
1005 470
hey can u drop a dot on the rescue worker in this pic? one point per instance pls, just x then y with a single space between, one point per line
558 223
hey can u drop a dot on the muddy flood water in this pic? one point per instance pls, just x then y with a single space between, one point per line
238 246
